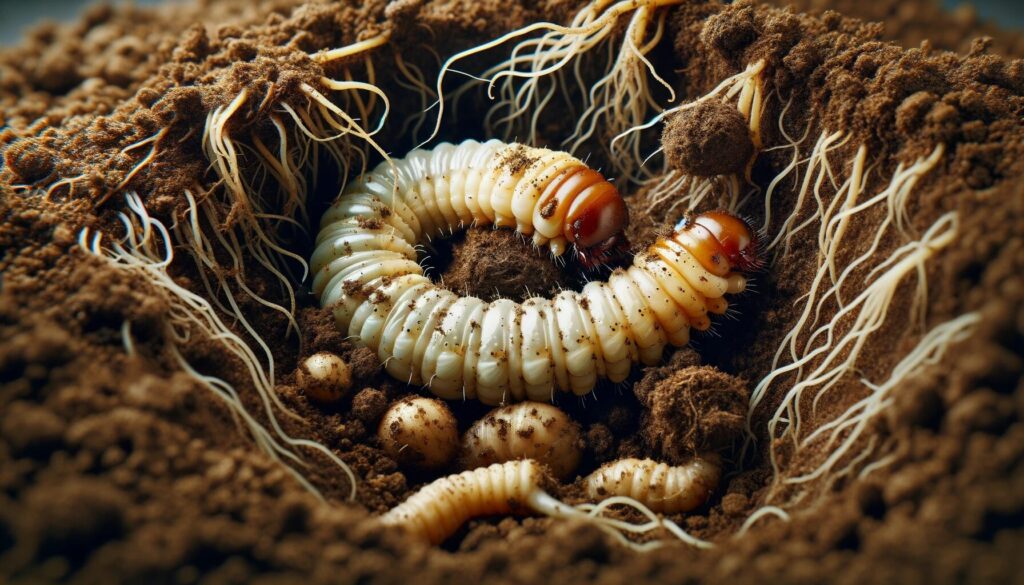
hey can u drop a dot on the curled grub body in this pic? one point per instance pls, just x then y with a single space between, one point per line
528 430
438 509
462 347
661 487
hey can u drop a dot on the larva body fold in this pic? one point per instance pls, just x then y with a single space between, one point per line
365 270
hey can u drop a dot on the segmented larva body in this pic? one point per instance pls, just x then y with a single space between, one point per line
661 487
462 347
438 509
528 430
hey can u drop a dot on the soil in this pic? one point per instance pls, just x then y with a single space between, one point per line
913 22
118 466
708 139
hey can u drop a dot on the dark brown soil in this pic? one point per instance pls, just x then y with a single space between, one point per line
496 264
912 22
708 139
690 410
117 466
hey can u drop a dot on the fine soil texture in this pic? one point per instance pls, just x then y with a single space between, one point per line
154 313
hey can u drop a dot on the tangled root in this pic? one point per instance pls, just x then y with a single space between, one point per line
539 68
147 250
815 357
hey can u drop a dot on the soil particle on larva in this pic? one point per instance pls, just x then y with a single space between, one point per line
516 160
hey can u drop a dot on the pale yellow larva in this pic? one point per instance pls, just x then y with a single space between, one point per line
419 432
325 377
661 487
365 270
528 430
438 509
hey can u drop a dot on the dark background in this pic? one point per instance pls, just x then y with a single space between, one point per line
16 15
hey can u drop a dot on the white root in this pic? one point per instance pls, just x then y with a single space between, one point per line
815 357
687 193
253 221
746 87
538 67
833 355
843 433
147 250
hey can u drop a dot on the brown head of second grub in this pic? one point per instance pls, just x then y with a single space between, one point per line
737 239
721 242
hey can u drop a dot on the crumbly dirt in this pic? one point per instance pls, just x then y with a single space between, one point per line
913 22
711 138
496 264
118 466
690 410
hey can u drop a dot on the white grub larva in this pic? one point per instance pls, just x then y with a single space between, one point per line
325 377
438 509
419 432
462 347
528 430
661 487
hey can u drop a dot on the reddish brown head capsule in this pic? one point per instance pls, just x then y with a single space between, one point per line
595 221
720 241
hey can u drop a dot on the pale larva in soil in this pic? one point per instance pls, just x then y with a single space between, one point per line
419 432
661 487
462 347
324 377
438 509
528 430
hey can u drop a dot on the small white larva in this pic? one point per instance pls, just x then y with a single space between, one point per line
438 509
462 347
661 487
419 432
325 377
528 430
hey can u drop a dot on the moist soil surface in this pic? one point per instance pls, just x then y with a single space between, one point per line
117 465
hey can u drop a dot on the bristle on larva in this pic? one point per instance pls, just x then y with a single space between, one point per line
365 270
661 487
